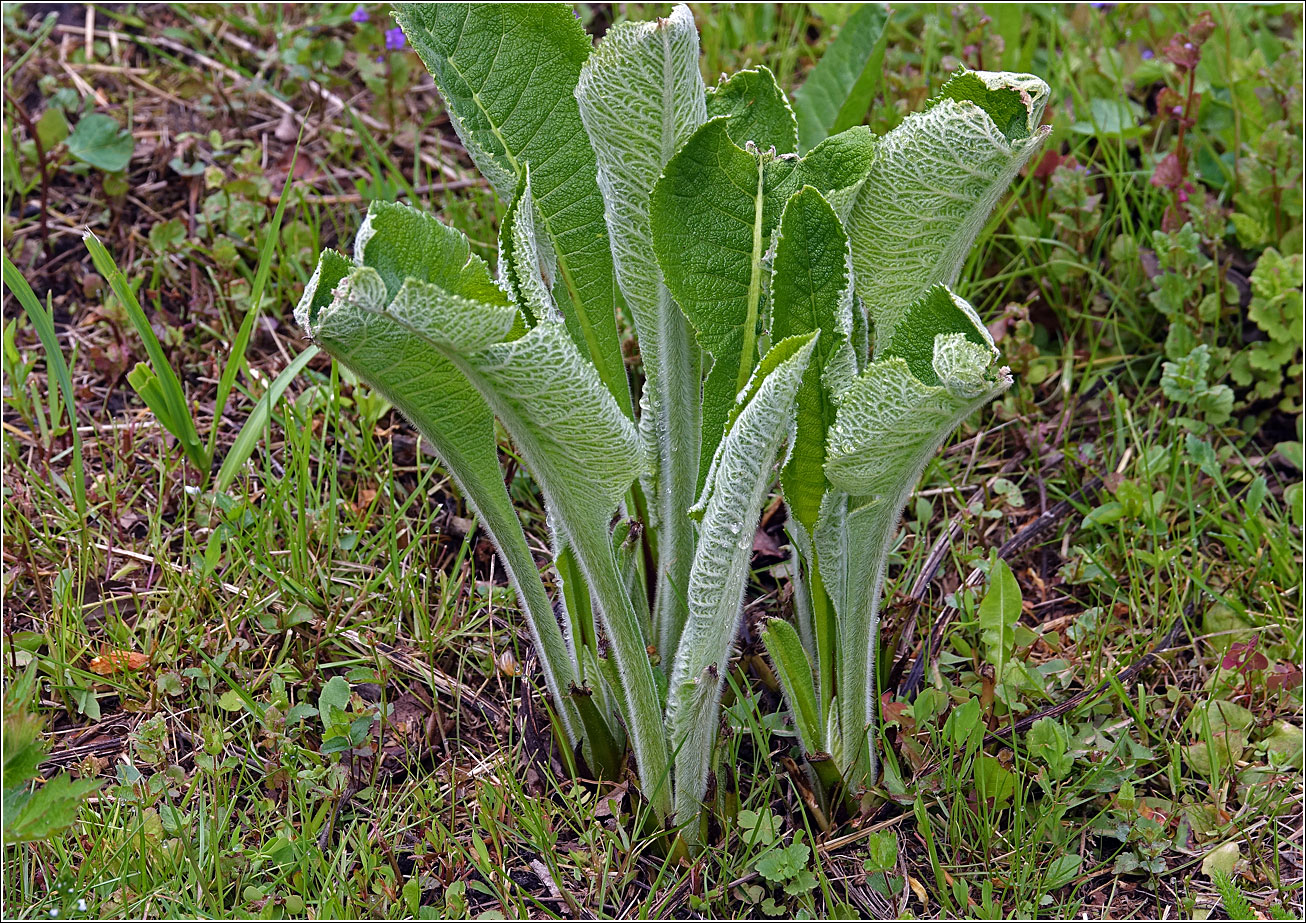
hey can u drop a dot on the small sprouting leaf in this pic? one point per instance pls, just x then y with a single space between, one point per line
1047 742
169 683
100 141
1110 118
993 780
1284 744
785 864
881 852
1216 715
965 728
51 127
23 749
794 671
759 829
333 701
1062 870
1222 859
412 894
999 612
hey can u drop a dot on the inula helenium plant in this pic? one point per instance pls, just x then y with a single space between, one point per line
791 293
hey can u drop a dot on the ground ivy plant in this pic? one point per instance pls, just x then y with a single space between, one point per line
793 309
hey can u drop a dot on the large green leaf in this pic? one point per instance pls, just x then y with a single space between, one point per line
935 179
811 289
888 426
397 243
736 486
640 97
508 73
714 210
838 92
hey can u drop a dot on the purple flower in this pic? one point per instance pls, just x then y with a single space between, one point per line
359 15
1148 54
394 39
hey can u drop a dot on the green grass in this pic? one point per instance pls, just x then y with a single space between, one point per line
340 551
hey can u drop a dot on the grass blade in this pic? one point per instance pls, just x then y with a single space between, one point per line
165 385
44 323
257 421
237 357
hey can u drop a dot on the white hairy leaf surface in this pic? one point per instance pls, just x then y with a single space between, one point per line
584 453
794 671
572 437
527 264
935 180
641 96
737 484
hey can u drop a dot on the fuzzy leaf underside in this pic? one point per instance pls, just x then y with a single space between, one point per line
838 92
641 96
731 505
887 417
508 74
527 264
573 438
935 180
584 453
